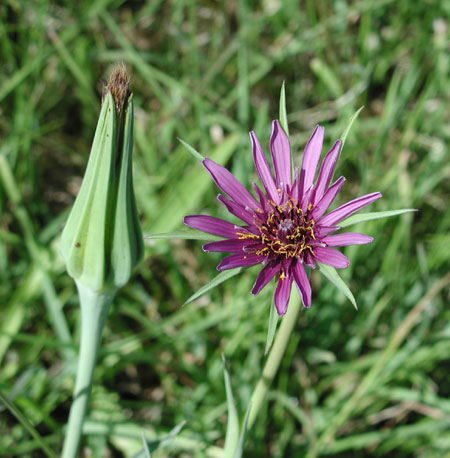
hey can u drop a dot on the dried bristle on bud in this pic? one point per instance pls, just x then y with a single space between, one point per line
118 86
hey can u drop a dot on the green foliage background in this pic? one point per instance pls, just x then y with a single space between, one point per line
372 382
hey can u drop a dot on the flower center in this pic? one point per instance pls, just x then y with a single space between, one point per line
287 231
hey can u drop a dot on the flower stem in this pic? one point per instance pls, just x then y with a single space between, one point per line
94 309
274 360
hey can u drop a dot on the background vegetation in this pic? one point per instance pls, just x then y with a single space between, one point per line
352 384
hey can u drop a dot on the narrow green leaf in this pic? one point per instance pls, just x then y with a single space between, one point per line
146 449
328 77
184 196
151 446
27 425
240 448
331 274
283 112
186 234
349 126
191 149
217 280
273 320
232 435
373 215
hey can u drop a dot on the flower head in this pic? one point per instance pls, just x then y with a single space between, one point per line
286 228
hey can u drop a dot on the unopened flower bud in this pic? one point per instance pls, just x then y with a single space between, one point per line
102 240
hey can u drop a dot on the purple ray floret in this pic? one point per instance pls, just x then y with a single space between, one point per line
287 226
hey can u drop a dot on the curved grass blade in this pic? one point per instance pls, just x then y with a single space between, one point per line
349 126
186 234
217 280
331 274
373 215
283 112
147 453
240 448
27 425
232 435
156 444
273 321
191 149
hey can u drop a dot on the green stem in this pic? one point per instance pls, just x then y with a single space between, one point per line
94 309
275 357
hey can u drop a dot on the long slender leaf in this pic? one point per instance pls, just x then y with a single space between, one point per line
186 234
146 448
240 448
151 446
273 320
373 215
217 280
27 425
232 435
191 149
283 112
349 126
331 274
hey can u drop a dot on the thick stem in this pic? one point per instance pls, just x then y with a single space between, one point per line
275 357
94 309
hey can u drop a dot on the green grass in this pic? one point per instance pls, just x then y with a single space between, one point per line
352 384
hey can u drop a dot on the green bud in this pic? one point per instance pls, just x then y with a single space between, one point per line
102 240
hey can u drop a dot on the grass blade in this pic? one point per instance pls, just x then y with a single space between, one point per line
240 448
349 126
27 425
146 448
283 112
217 280
191 149
187 234
331 274
273 321
354 219
232 436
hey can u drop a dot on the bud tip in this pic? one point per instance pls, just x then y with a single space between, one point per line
118 85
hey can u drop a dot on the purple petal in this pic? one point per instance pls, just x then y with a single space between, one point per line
326 171
229 184
281 155
327 199
265 276
262 198
347 238
310 159
237 210
302 283
211 225
227 246
306 198
348 209
240 260
293 190
282 294
331 257
321 231
309 260
263 169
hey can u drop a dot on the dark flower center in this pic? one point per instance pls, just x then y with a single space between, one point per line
287 231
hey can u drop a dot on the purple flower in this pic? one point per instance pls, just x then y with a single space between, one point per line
286 227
